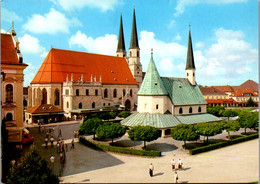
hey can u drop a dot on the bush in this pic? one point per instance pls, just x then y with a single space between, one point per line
124 114
116 149
222 144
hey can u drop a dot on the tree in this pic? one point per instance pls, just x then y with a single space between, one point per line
184 132
208 129
90 126
217 110
107 116
250 102
110 131
32 169
231 126
143 133
229 113
124 114
248 120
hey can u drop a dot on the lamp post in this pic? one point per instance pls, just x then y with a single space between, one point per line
52 159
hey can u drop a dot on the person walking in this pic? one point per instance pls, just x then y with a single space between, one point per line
72 144
151 168
66 147
180 164
52 139
58 147
175 177
46 141
173 164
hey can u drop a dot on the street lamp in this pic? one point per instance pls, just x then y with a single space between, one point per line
52 161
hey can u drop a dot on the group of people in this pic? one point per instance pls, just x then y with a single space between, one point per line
173 163
61 146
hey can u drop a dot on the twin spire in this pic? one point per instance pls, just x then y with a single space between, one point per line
190 59
134 38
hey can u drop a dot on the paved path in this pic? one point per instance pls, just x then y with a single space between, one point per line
236 163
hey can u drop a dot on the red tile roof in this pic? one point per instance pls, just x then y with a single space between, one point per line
249 85
240 93
226 88
211 91
44 108
220 101
58 63
8 52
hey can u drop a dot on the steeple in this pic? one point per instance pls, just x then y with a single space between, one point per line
121 40
152 83
190 66
134 39
190 59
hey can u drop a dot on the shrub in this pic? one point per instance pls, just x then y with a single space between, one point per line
222 144
116 149
124 114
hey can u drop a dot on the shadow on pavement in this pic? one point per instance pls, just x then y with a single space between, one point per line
164 147
83 158
127 143
158 174
186 168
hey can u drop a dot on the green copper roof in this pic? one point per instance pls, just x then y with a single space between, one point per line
181 92
152 83
166 120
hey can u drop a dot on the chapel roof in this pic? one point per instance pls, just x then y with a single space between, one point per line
59 64
121 39
44 108
190 58
8 52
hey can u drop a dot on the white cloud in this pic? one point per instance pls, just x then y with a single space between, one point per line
182 4
9 16
31 45
171 24
101 45
200 45
51 23
104 5
166 64
177 37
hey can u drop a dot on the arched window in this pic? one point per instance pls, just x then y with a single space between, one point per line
9 117
68 105
9 93
114 93
80 105
131 92
190 110
137 53
34 97
57 97
157 106
24 102
93 105
123 92
77 92
180 111
130 54
44 96
105 93
199 109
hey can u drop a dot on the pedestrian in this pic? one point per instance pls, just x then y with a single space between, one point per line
66 147
180 164
151 168
72 144
52 139
61 156
58 147
53 128
173 164
39 127
175 177
46 141
60 133
47 134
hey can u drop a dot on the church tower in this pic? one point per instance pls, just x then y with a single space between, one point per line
190 66
120 52
134 55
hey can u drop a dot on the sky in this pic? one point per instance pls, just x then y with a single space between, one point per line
224 33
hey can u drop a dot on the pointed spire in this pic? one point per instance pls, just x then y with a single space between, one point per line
152 83
121 39
190 59
134 39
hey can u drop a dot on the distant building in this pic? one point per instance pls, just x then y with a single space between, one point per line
165 102
12 67
242 97
73 80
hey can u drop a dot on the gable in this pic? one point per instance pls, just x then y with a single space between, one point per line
8 52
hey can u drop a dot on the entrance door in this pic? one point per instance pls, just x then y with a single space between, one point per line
127 105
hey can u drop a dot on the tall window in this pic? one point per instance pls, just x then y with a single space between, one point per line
199 110
137 53
9 93
44 96
87 92
96 92
114 93
130 54
9 117
105 93
93 105
157 106
68 105
57 97
77 92
123 92
131 92
180 111
80 105
67 92
190 110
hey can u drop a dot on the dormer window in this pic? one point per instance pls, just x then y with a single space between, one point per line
44 108
51 107
155 84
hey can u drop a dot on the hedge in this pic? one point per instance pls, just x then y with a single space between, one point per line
116 149
222 144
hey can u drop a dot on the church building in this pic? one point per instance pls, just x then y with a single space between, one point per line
73 80
164 102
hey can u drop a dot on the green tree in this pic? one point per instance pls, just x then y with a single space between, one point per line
248 120
208 129
32 169
107 116
231 126
184 132
250 102
110 131
124 114
90 126
217 110
229 113
143 133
